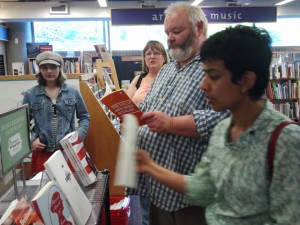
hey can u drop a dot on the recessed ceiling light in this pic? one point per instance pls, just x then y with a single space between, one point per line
196 2
102 3
284 2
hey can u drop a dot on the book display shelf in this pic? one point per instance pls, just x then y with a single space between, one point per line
71 65
102 139
284 86
96 193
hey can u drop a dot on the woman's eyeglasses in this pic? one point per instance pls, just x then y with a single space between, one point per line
153 54
49 67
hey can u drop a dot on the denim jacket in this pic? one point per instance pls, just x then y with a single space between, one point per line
69 101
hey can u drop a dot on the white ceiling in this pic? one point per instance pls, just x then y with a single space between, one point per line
167 2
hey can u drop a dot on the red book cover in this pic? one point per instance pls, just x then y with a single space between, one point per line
120 104
21 214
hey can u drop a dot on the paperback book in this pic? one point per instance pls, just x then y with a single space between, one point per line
119 103
52 206
79 158
59 171
102 52
20 212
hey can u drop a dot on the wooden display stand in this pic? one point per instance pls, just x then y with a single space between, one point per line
110 64
102 139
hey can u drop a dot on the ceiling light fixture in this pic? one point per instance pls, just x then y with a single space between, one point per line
284 2
196 2
102 3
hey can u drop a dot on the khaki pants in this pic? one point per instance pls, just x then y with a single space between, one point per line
193 215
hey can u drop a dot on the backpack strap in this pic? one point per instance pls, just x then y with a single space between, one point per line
272 144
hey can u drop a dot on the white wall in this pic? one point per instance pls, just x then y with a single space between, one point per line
11 92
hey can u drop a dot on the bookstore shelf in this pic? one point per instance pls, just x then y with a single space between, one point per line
284 86
71 65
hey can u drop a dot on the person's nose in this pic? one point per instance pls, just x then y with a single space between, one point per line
204 84
170 38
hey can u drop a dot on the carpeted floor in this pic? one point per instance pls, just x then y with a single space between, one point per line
135 216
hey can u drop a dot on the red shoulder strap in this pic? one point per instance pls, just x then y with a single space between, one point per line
272 144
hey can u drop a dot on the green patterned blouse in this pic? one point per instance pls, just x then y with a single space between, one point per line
232 179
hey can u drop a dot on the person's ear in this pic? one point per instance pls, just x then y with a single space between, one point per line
247 81
200 27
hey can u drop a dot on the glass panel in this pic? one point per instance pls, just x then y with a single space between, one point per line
285 32
70 35
136 37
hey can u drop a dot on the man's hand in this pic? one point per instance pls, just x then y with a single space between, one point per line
158 122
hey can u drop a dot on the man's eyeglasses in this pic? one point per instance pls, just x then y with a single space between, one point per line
153 54
49 67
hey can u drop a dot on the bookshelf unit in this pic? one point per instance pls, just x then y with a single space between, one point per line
102 139
71 65
284 86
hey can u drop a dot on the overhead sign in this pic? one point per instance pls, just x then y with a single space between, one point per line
154 16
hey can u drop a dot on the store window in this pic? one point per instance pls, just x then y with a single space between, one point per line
71 35
285 32
82 35
136 37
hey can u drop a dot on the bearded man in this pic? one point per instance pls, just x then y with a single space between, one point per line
178 118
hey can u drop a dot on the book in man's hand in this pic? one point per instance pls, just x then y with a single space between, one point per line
59 171
52 206
120 104
20 212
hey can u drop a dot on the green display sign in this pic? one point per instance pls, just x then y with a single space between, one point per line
14 138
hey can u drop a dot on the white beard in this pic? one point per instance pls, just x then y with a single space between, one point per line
181 55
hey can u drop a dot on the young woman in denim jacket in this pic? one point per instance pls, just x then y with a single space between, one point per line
53 104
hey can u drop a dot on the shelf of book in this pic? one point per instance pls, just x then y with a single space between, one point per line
102 139
71 65
284 86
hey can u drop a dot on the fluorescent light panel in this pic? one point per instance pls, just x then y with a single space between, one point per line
102 3
284 2
196 2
